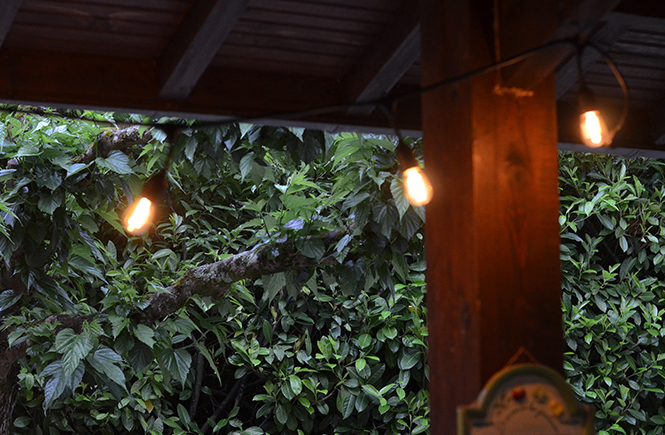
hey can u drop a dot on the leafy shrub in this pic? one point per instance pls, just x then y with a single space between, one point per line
612 230
339 348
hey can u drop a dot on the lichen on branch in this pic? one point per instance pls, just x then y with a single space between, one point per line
111 140
214 279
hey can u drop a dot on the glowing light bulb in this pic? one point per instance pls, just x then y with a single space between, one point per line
417 187
594 131
139 216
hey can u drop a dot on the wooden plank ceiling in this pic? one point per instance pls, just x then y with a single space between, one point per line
218 59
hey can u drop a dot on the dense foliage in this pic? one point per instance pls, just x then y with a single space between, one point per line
612 229
337 348
330 349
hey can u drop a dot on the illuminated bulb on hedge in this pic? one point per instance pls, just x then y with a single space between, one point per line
594 130
140 216
417 187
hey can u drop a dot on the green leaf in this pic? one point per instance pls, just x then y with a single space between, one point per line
6 174
145 334
312 248
272 285
364 340
246 165
22 421
59 381
386 215
165 252
345 402
606 221
360 364
190 148
208 356
8 299
296 384
362 401
48 178
106 361
183 414
372 391
408 360
118 324
623 243
267 329
28 149
73 347
116 161
49 203
83 265
177 362
401 202
311 145
297 202
281 414
110 216
410 224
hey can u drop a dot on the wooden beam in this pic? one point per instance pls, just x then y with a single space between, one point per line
8 11
580 17
612 28
645 8
493 271
108 83
195 44
388 58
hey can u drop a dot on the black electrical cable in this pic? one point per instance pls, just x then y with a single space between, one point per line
622 83
378 102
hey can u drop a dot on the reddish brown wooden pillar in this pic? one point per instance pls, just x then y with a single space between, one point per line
492 235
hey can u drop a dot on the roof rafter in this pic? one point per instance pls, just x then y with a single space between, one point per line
195 44
8 11
580 18
105 83
614 26
388 58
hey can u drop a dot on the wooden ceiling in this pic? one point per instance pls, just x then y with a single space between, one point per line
259 59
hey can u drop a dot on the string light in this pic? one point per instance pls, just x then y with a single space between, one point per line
139 216
593 128
417 188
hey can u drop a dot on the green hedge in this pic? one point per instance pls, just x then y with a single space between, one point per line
612 252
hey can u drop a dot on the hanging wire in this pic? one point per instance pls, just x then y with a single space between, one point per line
323 110
622 83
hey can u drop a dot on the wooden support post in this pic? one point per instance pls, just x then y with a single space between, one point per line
492 235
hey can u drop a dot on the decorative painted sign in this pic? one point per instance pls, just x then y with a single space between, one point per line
526 399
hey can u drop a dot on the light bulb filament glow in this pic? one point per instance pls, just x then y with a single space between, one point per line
594 131
140 215
417 187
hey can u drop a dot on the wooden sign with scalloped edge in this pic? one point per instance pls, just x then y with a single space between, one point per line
526 399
